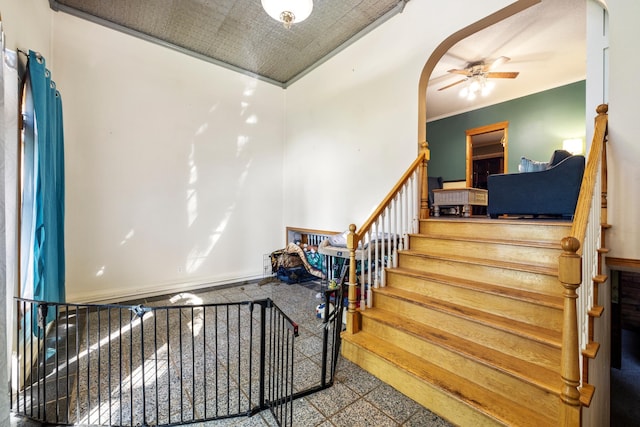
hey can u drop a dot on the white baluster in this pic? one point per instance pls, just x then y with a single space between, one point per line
369 265
389 241
401 219
383 241
396 232
363 290
410 201
395 224
378 265
416 202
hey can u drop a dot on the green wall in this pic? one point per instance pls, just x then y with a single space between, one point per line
538 124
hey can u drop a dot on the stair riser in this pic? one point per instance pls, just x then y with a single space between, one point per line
421 391
506 385
530 281
524 348
517 230
487 250
547 317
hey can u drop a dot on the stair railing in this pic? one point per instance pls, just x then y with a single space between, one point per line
375 245
579 265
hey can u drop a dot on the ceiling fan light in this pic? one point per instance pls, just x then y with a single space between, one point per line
288 11
487 87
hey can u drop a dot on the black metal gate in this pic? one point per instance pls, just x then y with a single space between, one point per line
142 365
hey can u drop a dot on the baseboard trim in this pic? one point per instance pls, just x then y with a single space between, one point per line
118 295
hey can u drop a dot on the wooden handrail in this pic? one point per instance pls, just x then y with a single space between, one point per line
354 237
587 188
422 157
570 269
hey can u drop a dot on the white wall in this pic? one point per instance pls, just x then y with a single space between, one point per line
356 116
624 130
173 166
597 64
27 25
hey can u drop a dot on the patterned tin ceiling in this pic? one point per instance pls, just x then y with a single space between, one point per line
238 34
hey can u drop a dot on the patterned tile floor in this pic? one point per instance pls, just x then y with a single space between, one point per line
356 398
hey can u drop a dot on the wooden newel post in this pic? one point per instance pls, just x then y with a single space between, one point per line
353 316
424 181
570 275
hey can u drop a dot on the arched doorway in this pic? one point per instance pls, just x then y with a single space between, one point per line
443 47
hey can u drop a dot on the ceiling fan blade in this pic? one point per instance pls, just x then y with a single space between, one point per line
495 63
463 72
453 84
502 75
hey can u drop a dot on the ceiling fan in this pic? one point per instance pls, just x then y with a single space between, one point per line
481 70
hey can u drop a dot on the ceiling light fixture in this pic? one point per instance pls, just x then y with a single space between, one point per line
288 11
475 85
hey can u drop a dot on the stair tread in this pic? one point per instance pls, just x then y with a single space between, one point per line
509 265
546 244
592 350
474 395
554 301
532 373
586 394
544 335
596 311
600 278
503 221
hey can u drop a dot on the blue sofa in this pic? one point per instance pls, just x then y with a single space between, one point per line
550 190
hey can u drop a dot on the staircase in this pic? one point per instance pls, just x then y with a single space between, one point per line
469 324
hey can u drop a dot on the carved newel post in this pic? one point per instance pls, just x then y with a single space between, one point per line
570 276
353 316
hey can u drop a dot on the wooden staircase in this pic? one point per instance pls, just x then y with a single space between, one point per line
469 324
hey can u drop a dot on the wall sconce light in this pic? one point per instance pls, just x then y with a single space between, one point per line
573 145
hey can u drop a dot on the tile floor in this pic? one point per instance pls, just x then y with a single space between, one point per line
356 398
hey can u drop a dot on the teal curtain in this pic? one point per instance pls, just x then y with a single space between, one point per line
43 192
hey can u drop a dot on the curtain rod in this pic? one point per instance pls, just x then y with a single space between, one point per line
38 55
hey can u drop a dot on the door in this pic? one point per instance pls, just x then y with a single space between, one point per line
486 155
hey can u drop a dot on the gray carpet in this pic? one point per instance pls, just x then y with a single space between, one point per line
625 383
